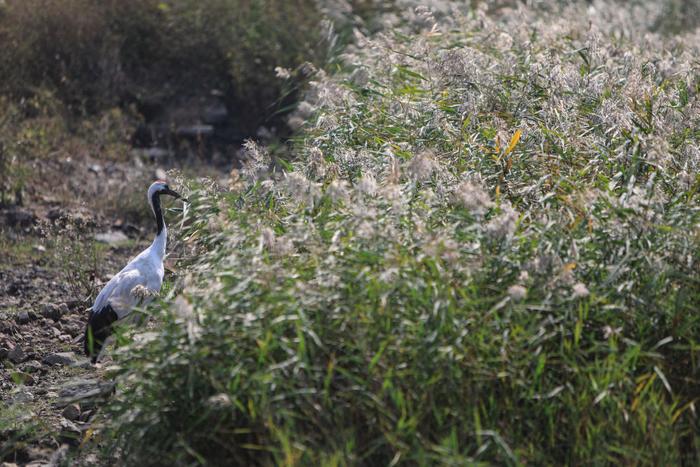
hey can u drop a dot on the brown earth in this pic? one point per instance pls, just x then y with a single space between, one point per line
51 268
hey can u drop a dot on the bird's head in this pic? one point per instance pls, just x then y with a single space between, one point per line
160 187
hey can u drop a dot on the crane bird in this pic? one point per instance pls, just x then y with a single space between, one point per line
136 284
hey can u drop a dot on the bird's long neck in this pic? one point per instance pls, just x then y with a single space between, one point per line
161 231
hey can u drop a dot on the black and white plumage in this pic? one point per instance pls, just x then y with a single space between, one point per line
126 289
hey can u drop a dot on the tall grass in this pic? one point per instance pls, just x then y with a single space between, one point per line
486 251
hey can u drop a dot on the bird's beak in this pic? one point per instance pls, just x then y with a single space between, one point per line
174 194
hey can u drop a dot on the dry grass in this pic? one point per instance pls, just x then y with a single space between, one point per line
485 252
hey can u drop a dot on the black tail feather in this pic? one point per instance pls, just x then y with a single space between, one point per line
98 329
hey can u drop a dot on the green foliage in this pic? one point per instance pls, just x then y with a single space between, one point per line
24 139
37 137
486 251
11 173
95 55
18 428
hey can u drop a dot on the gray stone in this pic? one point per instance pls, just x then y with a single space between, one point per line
6 327
54 311
85 415
18 217
194 131
60 358
69 426
71 412
49 310
23 317
113 237
32 366
215 114
59 456
74 328
37 454
17 355
22 397
70 432
82 363
84 390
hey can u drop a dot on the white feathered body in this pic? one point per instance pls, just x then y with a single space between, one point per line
144 270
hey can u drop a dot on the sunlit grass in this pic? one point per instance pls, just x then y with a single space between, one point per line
485 251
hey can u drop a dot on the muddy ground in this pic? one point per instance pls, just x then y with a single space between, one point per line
56 251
